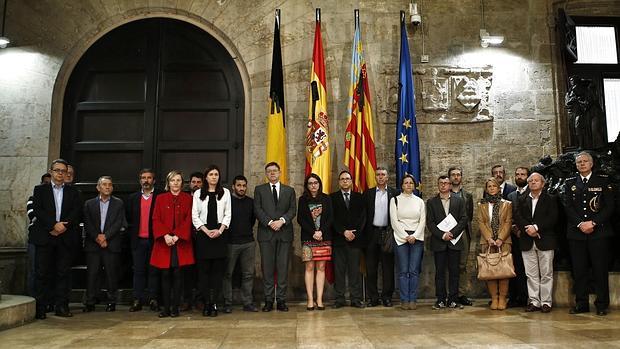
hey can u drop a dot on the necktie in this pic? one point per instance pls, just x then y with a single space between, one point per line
346 199
585 180
275 193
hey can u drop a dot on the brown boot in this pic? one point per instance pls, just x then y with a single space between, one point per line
492 286
503 293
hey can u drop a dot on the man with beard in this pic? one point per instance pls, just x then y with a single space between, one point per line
518 285
241 246
499 173
455 174
139 211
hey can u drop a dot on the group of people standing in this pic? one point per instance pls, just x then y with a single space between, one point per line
176 236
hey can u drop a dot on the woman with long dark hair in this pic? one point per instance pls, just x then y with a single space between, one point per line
315 216
211 213
172 247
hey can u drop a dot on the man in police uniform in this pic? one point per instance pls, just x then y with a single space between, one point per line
588 200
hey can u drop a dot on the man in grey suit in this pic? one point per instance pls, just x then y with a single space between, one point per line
104 219
447 254
275 208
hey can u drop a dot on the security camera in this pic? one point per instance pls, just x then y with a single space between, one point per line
416 19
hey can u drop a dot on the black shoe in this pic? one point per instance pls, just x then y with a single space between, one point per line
164 313
338 305
153 305
63 311
387 302
110 307
49 308
40 314
282 306
88 308
213 310
174 312
227 309
545 308
373 303
578 310
135 306
531 308
268 307
310 308
439 305
250 308
357 304
207 311
601 312
320 308
465 301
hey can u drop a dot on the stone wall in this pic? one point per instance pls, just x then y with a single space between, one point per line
50 36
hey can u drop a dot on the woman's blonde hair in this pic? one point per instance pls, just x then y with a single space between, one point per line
169 177
490 179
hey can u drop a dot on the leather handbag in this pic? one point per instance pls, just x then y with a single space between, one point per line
495 266
387 240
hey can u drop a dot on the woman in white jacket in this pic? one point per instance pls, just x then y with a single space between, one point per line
408 219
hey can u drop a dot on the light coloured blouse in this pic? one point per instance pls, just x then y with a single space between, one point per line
409 215
199 209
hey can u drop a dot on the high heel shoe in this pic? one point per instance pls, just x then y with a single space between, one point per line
310 308
318 307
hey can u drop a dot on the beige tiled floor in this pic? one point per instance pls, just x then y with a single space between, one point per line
343 328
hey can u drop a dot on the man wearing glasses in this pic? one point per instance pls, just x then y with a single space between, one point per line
57 210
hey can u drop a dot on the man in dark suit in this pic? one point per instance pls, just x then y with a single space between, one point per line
499 173
104 219
377 201
456 181
517 289
589 204
446 250
138 211
275 208
348 241
536 217
55 232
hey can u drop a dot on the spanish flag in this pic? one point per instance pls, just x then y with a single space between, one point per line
276 126
359 142
317 136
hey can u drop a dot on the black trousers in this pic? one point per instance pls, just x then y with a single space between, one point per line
374 257
347 264
594 254
145 277
109 261
517 286
171 287
189 283
447 260
52 272
210 276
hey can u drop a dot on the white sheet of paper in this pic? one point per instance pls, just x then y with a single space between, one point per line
456 240
448 223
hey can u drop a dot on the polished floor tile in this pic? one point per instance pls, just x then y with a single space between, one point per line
472 327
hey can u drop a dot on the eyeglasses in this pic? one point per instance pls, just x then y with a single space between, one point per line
345 179
58 170
272 171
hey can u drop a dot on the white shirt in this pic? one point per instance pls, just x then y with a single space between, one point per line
409 215
200 209
381 208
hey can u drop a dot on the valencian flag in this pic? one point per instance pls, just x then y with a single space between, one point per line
407 143
317 136
359 143
276 126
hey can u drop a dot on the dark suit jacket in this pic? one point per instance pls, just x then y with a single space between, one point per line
435 214
508 188
469 210
598 192
114 224
132 214
45 213
266 210
545 217
304 218
352 218
369 201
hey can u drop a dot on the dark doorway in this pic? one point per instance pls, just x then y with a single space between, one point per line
157 93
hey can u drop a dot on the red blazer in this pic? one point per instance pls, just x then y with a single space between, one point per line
165 215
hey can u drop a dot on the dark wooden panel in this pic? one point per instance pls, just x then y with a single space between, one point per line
195 86
122 166
194 125
111 126
189 162
115 86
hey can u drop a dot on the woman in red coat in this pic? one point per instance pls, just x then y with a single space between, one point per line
172 249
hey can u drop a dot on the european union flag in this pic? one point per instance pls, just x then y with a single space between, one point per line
407 143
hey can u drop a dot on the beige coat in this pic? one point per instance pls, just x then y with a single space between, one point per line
505 221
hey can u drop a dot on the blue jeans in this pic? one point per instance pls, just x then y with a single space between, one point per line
409 269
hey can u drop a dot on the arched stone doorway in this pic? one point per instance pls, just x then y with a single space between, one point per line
159 93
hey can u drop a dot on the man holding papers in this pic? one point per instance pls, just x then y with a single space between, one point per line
446 220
